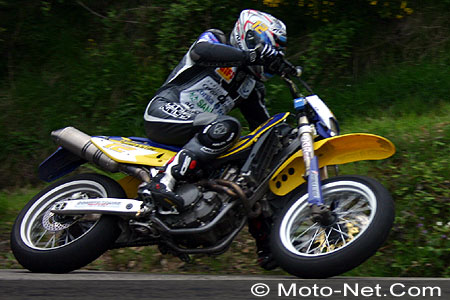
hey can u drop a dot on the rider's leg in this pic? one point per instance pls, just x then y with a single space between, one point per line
212 141
259 228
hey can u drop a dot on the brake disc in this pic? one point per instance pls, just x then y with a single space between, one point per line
50 224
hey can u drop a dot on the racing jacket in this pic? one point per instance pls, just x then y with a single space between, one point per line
212 77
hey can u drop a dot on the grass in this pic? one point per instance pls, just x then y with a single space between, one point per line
418 177
11 202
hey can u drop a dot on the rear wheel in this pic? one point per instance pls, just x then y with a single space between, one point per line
363 213
44 242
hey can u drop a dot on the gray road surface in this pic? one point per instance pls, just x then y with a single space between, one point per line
21 284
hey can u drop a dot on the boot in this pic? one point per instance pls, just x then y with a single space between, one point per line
265 259
161 188
162 185
260 230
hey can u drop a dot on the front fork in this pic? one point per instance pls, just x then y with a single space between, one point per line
320 212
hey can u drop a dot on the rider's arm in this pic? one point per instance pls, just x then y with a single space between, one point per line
210 50
253 108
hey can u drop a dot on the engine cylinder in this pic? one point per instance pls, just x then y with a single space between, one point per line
80 144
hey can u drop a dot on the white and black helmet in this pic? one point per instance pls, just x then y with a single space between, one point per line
254 27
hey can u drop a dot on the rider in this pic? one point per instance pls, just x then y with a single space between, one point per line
215 76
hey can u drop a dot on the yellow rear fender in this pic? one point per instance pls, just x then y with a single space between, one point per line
130 186
332 151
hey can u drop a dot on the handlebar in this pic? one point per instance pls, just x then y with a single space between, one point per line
286 70
289 69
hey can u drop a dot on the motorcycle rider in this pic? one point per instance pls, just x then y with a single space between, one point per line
190 109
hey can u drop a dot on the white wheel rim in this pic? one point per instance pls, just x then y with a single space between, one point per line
34 229
355 209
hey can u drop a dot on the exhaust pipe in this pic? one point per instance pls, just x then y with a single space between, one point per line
80 144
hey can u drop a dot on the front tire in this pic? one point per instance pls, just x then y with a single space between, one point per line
44 242
364 214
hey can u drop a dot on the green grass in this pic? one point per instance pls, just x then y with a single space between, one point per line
418 177
11 202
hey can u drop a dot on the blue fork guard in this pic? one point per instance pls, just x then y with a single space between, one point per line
314 183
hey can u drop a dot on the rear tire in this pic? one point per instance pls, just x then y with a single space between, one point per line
44 242
364 213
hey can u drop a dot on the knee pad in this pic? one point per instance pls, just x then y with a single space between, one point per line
215 138
221 133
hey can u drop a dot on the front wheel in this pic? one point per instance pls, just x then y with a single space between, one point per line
363 213
44 242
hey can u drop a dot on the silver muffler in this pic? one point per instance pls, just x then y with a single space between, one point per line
80 144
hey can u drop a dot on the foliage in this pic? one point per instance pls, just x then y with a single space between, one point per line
330 45
324 10
418 178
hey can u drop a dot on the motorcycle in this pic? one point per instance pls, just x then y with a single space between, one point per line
320 225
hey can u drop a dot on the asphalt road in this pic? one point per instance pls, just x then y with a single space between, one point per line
21 284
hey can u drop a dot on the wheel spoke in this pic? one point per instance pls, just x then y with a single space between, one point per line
304 232
312 240
349 199
352 221
52 240
66 240
359 204
37 224
40 238
341 233
302 245
345 213
44 236
352 203
327 241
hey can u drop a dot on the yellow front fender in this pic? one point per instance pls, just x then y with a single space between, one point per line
332 151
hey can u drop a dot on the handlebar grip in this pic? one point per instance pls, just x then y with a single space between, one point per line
291 70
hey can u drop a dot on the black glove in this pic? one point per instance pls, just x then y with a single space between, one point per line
263 54
281 66
267 53
274 66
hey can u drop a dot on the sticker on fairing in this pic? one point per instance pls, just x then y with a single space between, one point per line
207 95
227 73
119 151
246 87
321 109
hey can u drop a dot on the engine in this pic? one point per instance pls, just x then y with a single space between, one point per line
200 208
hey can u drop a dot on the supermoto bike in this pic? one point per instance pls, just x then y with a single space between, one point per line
320 226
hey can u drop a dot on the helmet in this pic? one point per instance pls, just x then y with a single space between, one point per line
254 27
